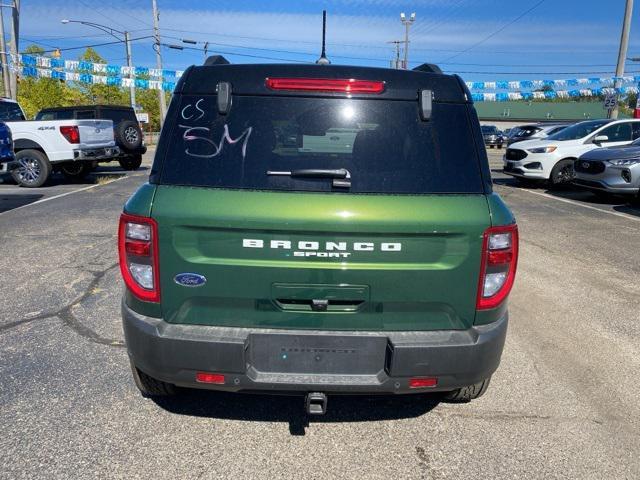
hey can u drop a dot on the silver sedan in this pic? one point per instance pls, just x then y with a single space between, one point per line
613 170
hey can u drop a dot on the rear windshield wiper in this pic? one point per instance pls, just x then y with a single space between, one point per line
341 176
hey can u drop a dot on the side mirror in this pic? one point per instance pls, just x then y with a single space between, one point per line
601 139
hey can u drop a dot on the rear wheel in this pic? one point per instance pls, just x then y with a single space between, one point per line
466 394
75 170
131 163
149 386
33 168
562 173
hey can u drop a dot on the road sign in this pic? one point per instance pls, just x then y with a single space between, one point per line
142 117
610 101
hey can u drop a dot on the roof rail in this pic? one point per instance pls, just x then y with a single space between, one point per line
216 60
428 68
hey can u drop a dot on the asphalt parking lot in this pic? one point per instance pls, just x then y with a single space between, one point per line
563 404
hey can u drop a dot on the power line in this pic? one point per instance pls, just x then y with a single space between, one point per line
496 32
95 44
117 22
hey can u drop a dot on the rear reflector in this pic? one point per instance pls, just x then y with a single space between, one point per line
141 249
205 377
341 85
423 382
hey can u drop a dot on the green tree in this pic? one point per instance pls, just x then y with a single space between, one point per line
97 93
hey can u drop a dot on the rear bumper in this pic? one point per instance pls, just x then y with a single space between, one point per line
96 153
359 362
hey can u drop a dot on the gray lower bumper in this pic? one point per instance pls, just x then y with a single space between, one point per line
96 153
304 361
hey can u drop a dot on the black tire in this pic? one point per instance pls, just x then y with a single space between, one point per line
128 135
131 163
75 170
149 386
34 168
562 173
466 394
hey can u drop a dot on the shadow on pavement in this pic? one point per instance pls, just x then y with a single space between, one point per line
9 202
291 408
628 209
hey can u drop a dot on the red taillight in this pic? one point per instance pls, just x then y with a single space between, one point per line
498 268
339 85
423 382
138 253
72 134
205 377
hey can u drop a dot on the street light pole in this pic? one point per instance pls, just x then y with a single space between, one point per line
622 52
127 44
156 34
407 25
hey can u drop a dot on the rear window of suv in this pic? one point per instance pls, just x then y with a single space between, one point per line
384 145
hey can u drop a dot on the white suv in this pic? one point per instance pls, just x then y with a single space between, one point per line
552 159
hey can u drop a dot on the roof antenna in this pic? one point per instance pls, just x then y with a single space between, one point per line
323 60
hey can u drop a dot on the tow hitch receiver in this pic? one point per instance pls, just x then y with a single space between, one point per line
316 403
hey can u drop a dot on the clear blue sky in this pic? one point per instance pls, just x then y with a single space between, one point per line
478 39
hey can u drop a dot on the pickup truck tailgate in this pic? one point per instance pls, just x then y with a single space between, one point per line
96 132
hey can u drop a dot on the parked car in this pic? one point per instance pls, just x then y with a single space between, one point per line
534 132
7 155
126 128
379 266
65 145
552 159
613 170
492 136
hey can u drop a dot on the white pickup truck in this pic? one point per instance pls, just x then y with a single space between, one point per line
69 146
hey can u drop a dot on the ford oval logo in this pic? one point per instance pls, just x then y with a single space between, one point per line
190 279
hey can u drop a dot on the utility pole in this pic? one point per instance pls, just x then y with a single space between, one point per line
407 25
396 63
622 53
3 58
15 34
132 87
156 34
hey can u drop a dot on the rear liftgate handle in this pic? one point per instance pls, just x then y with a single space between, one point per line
319 305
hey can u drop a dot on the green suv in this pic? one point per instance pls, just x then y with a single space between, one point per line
317 230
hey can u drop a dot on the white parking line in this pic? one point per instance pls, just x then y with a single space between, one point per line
573 202
64 194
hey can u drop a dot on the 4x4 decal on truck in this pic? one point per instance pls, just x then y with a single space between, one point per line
306 248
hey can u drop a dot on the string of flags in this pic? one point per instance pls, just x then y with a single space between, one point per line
98 73
156 79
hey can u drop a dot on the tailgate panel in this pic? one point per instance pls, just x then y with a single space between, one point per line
383 262
95 132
